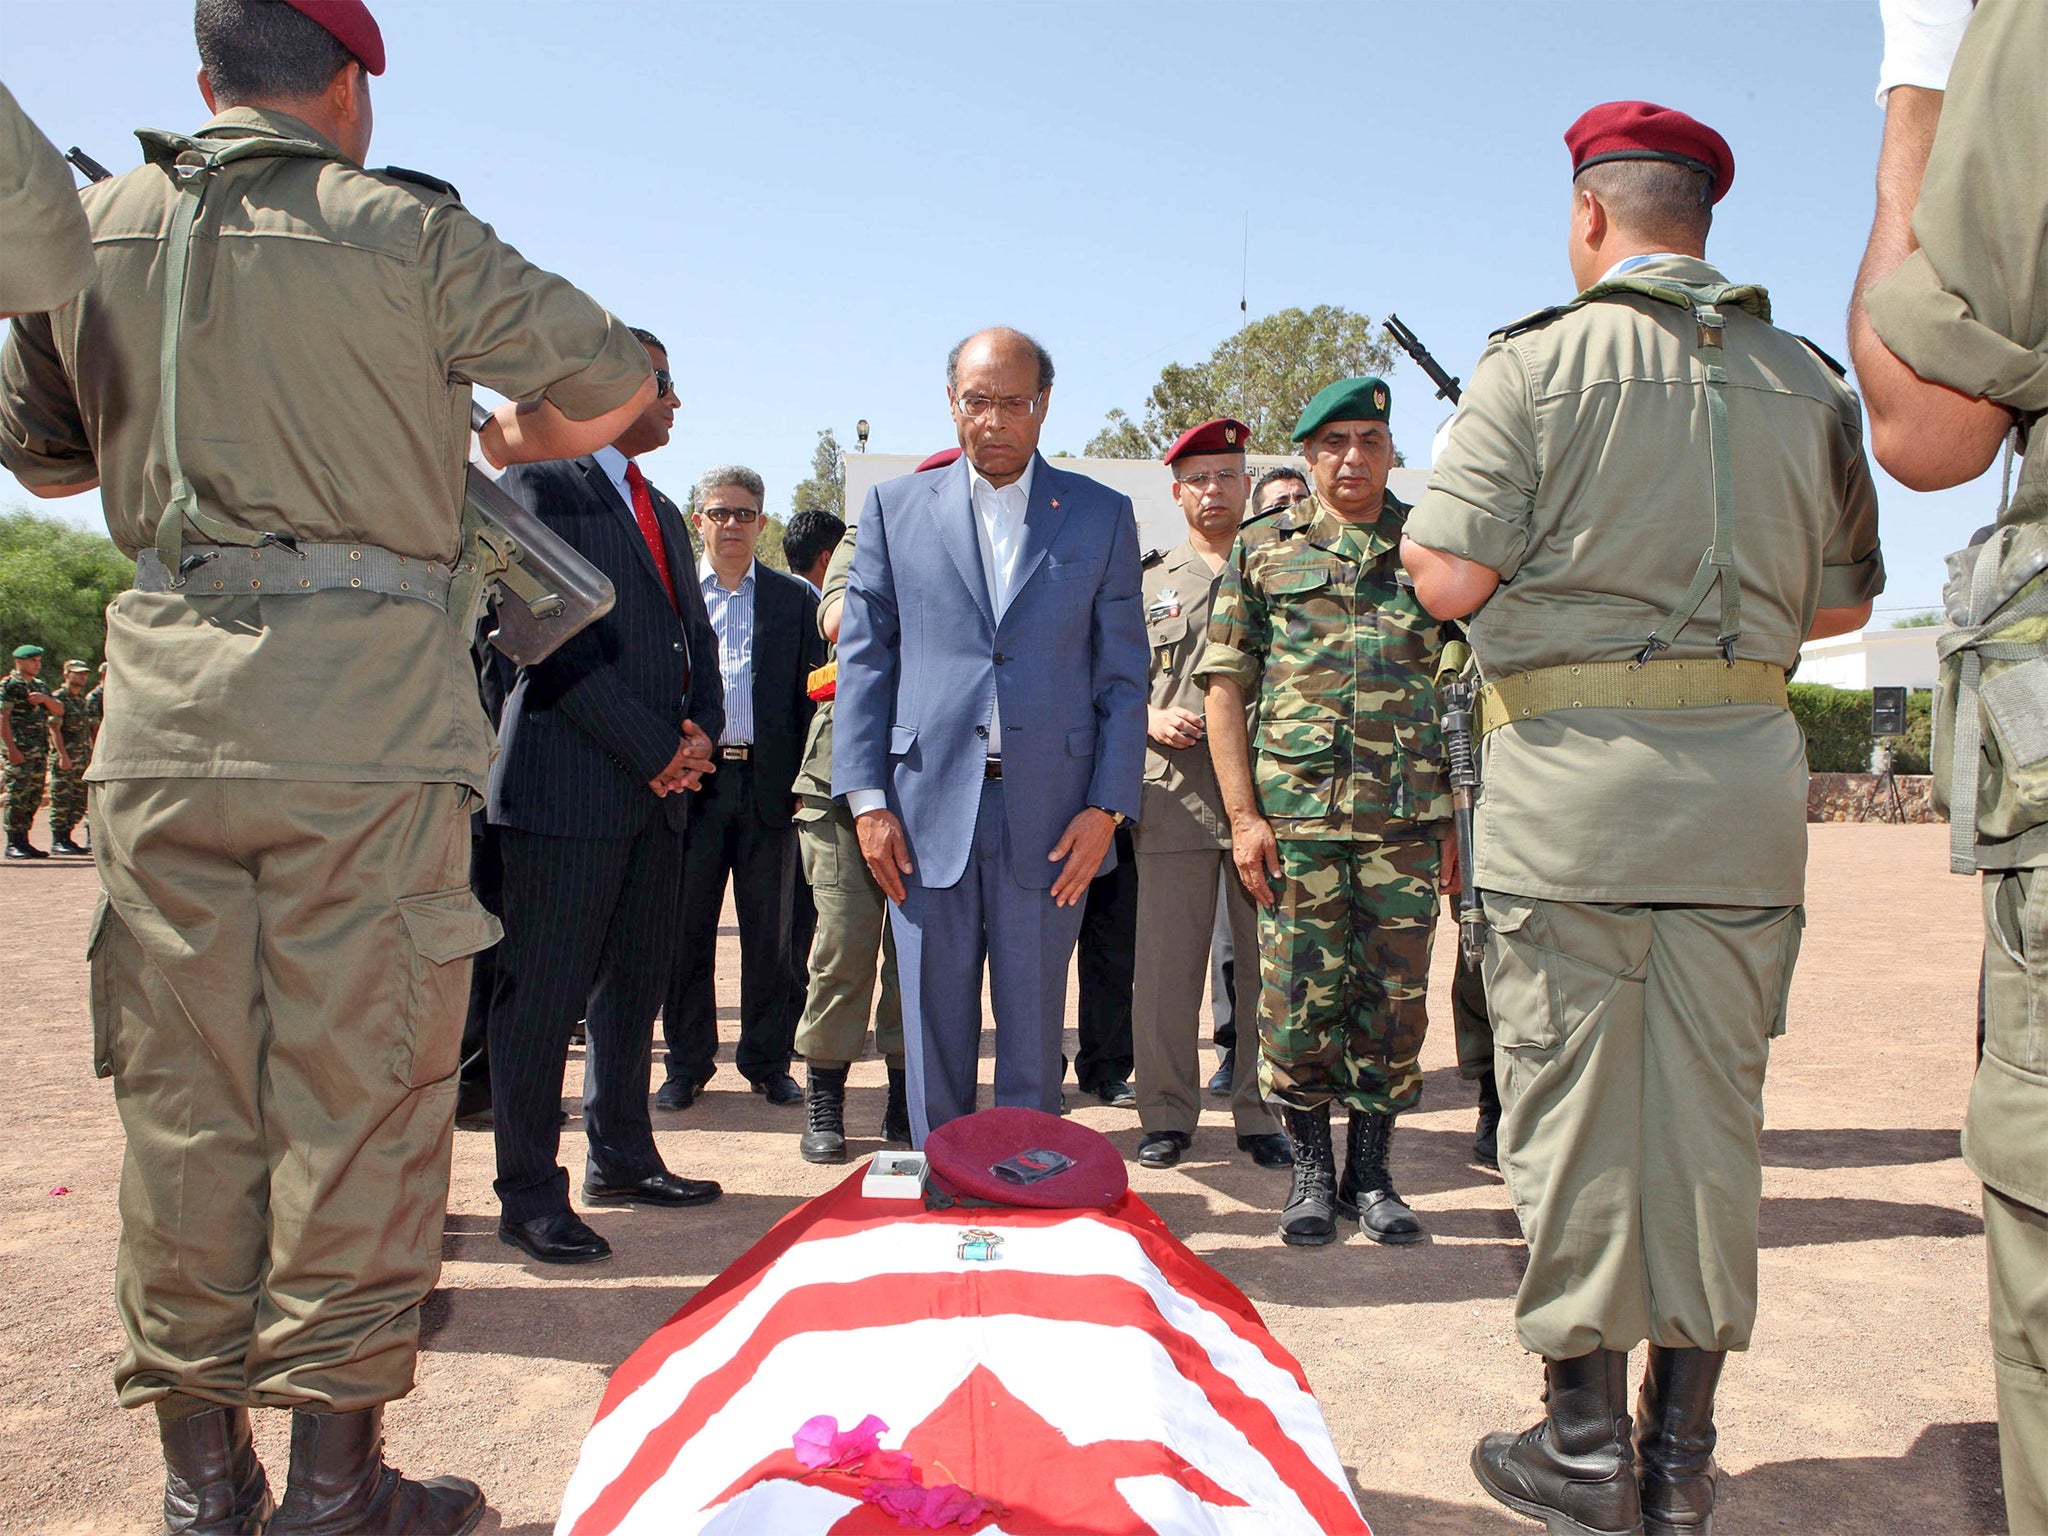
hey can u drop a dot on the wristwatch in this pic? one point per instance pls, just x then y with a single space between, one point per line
1117 818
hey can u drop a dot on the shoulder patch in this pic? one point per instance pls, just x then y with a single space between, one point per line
421 179
1839 371
1542 317
1151 557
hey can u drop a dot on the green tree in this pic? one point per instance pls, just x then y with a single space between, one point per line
56 580
826 489
1927 618
1263 376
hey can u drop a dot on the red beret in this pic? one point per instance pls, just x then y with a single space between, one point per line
1641 130
963 1155
352 25
938 460
1222 435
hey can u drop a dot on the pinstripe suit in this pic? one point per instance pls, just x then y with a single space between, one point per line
592 857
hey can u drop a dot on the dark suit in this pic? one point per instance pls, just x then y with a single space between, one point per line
592 858
744 830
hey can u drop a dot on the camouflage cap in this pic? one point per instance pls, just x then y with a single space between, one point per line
23 652
75 665
1365 399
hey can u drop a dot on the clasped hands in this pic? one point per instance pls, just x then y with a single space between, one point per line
687 768
1082 846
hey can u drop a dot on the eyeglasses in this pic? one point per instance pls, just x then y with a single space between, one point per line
665 386
1225 478
974 407
729 514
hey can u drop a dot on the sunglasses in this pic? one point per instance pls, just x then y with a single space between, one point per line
665 386
729 514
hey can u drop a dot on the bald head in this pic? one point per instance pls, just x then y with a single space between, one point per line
1002 347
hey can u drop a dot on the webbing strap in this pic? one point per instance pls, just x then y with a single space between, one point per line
285 571
1629 685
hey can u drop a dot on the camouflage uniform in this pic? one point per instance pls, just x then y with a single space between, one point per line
30 725
67 785
1339 659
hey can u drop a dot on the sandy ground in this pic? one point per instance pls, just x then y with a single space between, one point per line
1866 1405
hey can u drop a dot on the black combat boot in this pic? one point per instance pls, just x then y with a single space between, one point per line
65 845
1310 1217
824 1139
213 1483
340 1486
1575 1471
1367 1193
22 848
1675 1440
1486 1139
896 1118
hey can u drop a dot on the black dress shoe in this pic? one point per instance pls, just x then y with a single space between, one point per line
560 1237
677 1094
1162 1149
662 1188
1116 1093
473 1106
1268 1150
1226 1069
780 1089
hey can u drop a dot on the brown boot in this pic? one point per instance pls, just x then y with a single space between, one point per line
340 1486
1576 1470
213 1483
1675 1440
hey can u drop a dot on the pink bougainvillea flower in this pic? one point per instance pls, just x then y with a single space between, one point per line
820 1442
919 1508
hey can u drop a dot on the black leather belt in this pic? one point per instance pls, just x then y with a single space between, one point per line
992 768
741 752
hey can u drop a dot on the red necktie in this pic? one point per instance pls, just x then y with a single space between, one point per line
650 530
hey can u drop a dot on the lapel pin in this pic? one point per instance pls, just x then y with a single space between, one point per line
1055 503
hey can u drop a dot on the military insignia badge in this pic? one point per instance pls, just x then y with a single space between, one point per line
979 1246
1379 398
1230 436
1165 606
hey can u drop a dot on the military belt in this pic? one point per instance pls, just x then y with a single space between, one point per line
1629 685
279 570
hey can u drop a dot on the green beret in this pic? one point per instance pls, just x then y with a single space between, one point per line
1363 399
23 652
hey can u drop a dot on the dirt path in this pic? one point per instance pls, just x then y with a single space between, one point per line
1865 1407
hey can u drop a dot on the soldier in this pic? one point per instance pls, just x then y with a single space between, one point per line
1335 824
96 704
280 965
1182 839
853 924
28 714
1279 488
47 256
1642 824
71 736
1951 345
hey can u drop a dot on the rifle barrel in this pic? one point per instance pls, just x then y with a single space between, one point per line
94 171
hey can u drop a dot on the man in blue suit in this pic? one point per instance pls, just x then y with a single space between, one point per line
990 725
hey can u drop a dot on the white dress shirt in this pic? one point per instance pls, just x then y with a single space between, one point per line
614 463
732 618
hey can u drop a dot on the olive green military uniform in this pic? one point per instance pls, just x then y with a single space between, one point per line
67 785
853 914
47 255
280 792
1340 660
1182 841
1643 869
28 721
1970 310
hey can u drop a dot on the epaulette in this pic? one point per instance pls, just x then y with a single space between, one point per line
422 179
1276 524
1529 322
1151 557
1819 352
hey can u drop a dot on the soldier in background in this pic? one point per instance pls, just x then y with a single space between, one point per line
1336 818
1614 463
1949 330
71 738
28 713
280 796
1279 488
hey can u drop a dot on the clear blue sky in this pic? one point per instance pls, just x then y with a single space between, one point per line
810 203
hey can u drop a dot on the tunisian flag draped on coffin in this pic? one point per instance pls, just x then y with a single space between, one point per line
1032 1371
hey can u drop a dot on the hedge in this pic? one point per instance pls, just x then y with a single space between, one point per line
1837 726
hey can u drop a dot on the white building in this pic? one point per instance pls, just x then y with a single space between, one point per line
1871 658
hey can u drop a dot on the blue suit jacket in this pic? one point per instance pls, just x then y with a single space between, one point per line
922 657
586 729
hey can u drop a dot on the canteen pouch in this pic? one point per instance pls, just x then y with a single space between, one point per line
1990 757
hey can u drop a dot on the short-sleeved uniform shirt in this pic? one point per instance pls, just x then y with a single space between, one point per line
46 256
814 777
1339 658
28 722
1182 809
1579 466
335 319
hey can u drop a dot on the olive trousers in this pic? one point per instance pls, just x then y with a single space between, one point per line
852 943
2005 1140
279 971
1630 1047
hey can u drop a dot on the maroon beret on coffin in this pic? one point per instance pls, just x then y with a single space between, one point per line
1642 130
964 1155
938 460
1222 435
352 25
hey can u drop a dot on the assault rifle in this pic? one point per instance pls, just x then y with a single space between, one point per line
1446 385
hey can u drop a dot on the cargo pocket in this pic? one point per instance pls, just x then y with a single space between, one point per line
818 842
102 987
1296 769
1418 788
1795 930
441 928
1538 989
